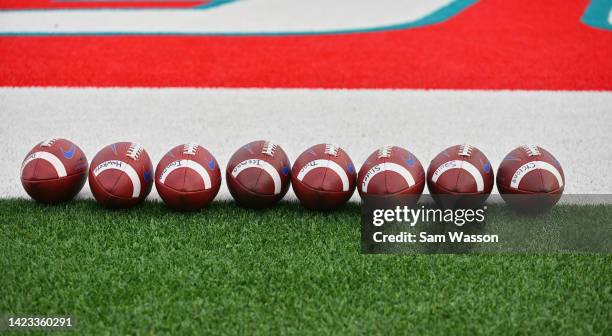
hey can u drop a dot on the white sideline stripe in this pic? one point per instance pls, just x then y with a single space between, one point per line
460 164
195 166
52 159
127 169
240 17
325 164
610 17
532 166
388 166
31 114
261 164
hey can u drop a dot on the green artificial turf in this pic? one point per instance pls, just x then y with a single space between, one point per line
228 270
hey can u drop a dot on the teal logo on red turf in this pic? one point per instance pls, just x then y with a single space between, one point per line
598 14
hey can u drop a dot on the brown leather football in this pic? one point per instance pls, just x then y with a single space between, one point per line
323 177
391 170
461 176
530 178
258 174
121 175
54 171
188 177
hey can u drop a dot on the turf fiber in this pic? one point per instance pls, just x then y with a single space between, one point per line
228 270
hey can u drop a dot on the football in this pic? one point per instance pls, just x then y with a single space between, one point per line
460 177
121 175
258 174
54 171
323 177
188 177
530 179
391 171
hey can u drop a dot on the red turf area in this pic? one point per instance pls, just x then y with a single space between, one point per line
495 44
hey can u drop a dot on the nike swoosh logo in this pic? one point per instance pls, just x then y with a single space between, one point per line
69 153
486 167
147 176
211 164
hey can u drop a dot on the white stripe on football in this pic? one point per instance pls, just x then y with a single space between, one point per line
52 159
260 164
193 165
387 166
325 164
528 167
460 164
123 167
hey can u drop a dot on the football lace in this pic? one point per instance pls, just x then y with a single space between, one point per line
134 151
268 148
532 150
385 152
48 142
465 150
190 148
331 150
